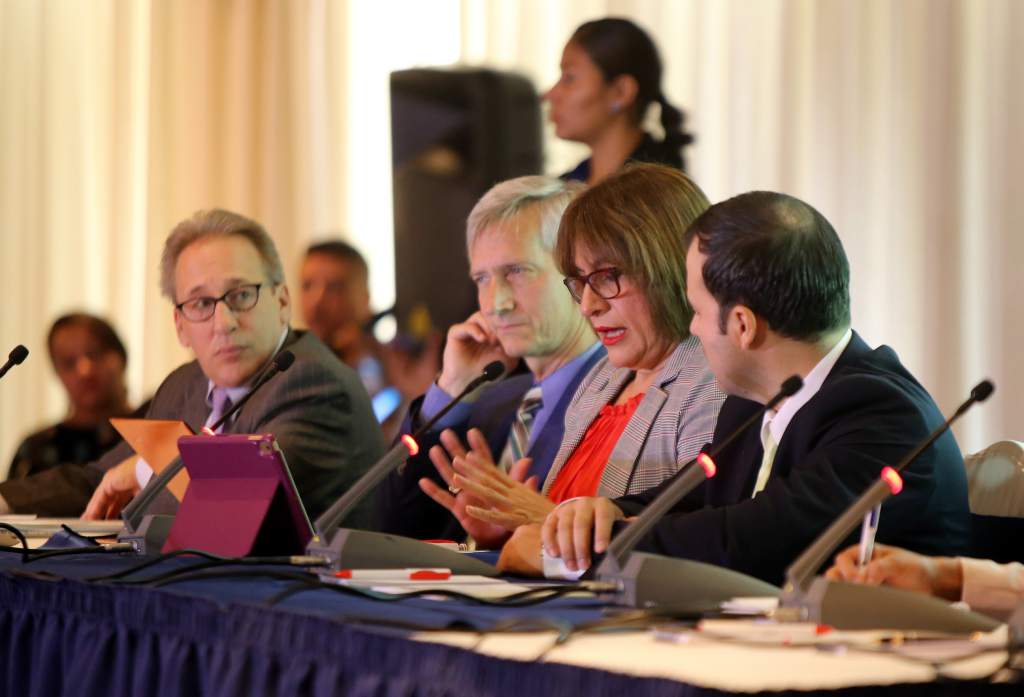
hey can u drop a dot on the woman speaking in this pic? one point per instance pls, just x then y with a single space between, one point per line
651 404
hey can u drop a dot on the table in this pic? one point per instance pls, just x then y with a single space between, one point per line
216 637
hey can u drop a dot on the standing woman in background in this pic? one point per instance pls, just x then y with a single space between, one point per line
610 75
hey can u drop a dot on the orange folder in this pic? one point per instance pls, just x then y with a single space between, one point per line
156 442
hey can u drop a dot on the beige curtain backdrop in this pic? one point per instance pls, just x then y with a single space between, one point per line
121 118
898 119
118 118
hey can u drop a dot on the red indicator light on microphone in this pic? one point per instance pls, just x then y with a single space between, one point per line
893 479
411 444
705 461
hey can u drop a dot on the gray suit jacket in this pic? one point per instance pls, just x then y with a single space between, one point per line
675 418
318 410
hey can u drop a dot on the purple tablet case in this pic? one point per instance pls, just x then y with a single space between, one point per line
240 500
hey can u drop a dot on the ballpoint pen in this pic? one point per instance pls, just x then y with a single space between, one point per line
867 535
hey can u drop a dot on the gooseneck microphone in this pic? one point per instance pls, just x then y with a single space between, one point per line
282 362
801 571
492 371
17 356
853 606
329 521
680 585
135 510
691 477
361 549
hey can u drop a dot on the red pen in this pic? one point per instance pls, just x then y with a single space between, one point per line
394 574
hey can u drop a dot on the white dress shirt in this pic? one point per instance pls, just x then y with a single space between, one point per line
991 588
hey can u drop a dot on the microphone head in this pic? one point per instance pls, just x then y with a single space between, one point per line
791 386
283 361
19 353
493 370
982 391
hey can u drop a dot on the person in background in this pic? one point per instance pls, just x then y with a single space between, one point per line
610 77
652 402
995 589
334 295
335 301
89 360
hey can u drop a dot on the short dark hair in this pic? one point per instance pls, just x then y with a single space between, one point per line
342 251
778 256
101 330
617 47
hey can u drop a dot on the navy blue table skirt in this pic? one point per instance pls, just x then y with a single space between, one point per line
69 637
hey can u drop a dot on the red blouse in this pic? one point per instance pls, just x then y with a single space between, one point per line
581 474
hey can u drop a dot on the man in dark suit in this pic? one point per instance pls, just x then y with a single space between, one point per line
525 313
231 308
769 284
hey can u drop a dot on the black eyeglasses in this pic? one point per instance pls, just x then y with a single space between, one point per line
238 299
604 282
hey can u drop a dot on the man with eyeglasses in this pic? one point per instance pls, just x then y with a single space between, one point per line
525 313
232 309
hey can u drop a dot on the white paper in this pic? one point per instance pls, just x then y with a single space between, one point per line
476 586
754 605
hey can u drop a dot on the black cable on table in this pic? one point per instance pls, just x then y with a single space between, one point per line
31 555
525 598
88 538
154 561
210 564
21 538
39 554
520 599
214 560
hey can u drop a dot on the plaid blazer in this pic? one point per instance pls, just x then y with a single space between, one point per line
675 418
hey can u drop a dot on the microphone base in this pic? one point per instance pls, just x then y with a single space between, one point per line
857 606
677 586
148 539
362 549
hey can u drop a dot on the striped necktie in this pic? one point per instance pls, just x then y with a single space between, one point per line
519 439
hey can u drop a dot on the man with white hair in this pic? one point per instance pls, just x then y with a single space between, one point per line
525 314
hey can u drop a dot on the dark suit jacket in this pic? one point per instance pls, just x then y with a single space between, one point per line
869 413
404 509
317 409
649 150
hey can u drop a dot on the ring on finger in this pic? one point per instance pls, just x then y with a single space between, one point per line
454 490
